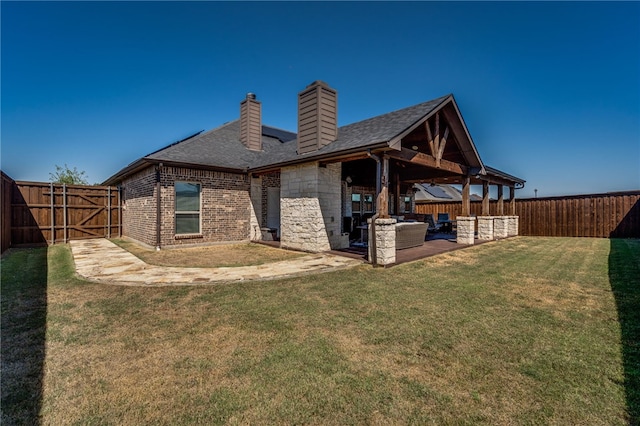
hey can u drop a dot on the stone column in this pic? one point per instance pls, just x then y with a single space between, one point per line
466 229
500 227
512 229
385 242
485 228
311 208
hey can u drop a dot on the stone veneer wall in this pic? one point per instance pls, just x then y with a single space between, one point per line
485 228
225 206
512 230
139 207
310 207
385 242
500 227
466 229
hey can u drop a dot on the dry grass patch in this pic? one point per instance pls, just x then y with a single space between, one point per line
526 333
224 255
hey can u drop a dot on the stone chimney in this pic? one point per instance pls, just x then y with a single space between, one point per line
317 117
251 122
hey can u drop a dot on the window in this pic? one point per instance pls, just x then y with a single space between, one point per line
355 203
368 203
406 205
187 208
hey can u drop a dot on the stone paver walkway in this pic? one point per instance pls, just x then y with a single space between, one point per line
102 261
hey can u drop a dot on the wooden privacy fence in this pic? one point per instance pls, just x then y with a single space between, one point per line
5 205
454 208
615 215
48 213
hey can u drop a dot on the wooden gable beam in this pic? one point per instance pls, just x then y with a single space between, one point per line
443 142
418 158
430 138
436 144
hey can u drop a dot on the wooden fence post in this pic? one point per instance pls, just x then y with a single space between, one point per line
109 212
53 214
64 212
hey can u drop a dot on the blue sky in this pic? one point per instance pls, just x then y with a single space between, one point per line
550 91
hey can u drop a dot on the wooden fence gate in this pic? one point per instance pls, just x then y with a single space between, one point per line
48 213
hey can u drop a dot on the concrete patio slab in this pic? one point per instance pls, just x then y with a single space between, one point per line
102 261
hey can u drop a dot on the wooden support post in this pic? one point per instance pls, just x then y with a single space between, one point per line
383 199
485 198
512 201
500 211
466 201
396 202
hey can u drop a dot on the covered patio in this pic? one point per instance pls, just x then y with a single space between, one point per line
436 149
356 190
434 244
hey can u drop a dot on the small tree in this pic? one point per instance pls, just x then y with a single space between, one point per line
68 176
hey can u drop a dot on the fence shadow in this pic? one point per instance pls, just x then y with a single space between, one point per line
22 330
624 277
25 230
629 226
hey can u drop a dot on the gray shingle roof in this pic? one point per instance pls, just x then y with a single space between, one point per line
218 147
221 147
361 134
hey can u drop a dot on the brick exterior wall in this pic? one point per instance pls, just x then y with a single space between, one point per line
225 206
139 207
271 180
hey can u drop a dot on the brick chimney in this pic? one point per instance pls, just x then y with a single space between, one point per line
317 117
251 122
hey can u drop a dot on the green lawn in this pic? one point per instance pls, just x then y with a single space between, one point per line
521 331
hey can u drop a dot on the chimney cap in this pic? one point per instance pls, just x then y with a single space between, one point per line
251 95
318 83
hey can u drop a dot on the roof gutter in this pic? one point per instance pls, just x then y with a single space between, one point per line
146 162
502 176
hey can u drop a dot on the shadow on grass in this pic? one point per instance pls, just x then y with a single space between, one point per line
624 276
22 330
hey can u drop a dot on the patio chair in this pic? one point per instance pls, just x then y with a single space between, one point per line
444 222
432 226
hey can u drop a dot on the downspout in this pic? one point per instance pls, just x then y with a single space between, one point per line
158 207
372 238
